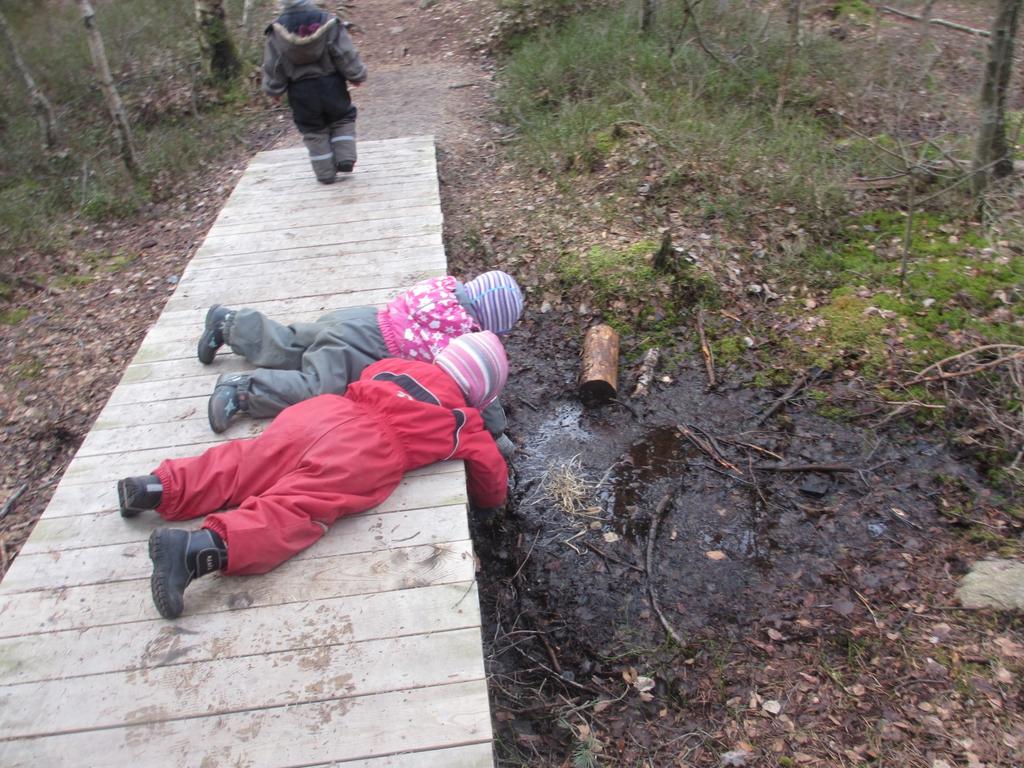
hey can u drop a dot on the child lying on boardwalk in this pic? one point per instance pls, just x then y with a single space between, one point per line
302 360
319 460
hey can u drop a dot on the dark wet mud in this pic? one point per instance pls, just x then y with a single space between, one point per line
687 529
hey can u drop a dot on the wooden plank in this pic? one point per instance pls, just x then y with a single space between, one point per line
343 671
294 581
350 199
257 630
157 411
422 224
367 253
57 569
307 185
348 729
333 278
469 756
143 437
330 216
283 308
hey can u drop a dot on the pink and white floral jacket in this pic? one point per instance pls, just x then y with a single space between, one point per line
419 322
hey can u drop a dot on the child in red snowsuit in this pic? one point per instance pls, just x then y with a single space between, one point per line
319 460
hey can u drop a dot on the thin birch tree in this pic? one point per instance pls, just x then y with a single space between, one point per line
993 156
649 10
40 104
220 57
122 129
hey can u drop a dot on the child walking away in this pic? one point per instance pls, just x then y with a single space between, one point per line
319 460
310 55
299 361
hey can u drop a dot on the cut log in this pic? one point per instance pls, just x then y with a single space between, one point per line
600 372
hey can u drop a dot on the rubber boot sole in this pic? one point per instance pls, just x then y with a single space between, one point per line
168 601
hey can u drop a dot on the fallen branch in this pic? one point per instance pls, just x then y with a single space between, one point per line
705 350
601 553
647 367
9 504
652 535
805 468
942 375
707 449
789 394
936 22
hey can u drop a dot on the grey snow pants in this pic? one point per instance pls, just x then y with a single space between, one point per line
302 360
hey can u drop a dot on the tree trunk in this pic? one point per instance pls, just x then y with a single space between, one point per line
993 156
793 24
649 9
247 24
40 104
220 58
99 59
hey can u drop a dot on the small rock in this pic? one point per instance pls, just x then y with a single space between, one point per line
771 706
993 583
816 486
736 757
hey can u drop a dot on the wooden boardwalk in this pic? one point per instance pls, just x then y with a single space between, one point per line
363 651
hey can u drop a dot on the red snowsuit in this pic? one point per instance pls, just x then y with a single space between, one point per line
328 457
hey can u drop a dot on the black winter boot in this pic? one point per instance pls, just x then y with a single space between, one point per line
345 166
213 335
230 396
137 494
179 556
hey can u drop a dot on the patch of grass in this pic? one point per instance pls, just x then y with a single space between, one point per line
27 370
702 134
637 299
105 261
13 316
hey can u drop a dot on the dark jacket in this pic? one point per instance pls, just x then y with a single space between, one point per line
306 42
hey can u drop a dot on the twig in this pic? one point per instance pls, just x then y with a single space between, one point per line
944 375
520 568
705 350
551 652
936 22
789 394
9 504
659 513
868 606
707 449
598 551
805 468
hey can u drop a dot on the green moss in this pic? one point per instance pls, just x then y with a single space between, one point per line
105 261
26 369
636 299
13 316
850 335
73 281
728 349
953 283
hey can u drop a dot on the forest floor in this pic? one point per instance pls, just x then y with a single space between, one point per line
658 592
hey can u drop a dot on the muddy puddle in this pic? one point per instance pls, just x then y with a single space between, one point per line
681 522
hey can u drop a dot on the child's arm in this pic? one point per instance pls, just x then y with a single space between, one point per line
274 83
346 58
486 471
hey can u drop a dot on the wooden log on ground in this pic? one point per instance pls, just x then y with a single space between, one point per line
599 375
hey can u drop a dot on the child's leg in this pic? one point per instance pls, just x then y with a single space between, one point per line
267 343
343 142
350 468
321 156
347 342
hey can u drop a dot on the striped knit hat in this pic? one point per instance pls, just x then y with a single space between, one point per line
478 364
496 300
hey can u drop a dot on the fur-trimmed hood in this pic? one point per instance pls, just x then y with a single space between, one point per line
303 50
